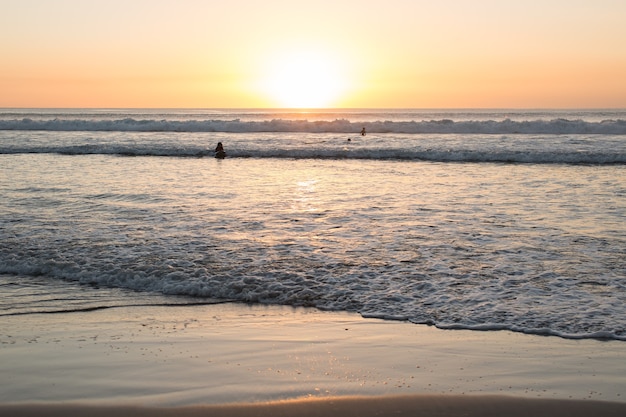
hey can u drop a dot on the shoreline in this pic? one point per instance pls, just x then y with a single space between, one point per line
206 355
413 405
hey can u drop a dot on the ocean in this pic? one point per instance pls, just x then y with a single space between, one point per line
462 219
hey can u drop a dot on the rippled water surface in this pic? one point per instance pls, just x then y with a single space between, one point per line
527 247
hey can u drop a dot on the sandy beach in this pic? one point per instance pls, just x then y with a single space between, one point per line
237 359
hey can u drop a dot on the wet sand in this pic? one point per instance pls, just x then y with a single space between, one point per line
240 360
430 406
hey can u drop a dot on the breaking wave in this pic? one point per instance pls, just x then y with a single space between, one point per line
443 126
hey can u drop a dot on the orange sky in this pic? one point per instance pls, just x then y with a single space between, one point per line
327 53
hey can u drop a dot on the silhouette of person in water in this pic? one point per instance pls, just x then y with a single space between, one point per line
363 132
219 151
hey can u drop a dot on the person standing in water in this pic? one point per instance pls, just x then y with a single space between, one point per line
363 132
219 151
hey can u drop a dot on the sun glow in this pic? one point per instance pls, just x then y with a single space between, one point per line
304 79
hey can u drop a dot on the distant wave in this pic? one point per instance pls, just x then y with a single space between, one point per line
444 126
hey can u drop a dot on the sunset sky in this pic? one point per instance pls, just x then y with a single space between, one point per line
322 53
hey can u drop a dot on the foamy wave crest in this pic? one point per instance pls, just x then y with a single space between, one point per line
444 126
450 155
536 156
186 278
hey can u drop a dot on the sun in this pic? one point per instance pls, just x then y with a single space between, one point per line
304 79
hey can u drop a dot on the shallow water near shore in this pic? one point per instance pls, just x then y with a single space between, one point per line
423 227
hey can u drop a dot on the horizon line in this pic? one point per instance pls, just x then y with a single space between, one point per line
308 109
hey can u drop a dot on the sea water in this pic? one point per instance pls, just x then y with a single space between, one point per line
484 219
